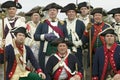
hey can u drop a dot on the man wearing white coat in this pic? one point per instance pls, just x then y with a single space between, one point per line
11 20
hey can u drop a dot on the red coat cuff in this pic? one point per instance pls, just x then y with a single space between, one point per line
118 72
1 50
86 33
38 70
80 74
94 78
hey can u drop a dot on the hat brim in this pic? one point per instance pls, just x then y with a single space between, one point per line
57 41
20 30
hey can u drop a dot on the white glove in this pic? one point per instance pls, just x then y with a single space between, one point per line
72 78
75 77
42 75
74 49
116 77
77 43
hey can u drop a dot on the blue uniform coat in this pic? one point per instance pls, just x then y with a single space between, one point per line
43 29
79 29
10 57
100 61
52 61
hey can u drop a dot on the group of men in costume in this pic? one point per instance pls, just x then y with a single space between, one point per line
64 40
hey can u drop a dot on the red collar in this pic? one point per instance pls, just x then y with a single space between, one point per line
112 49
111 59
61 56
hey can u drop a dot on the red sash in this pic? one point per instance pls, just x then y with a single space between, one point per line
55 28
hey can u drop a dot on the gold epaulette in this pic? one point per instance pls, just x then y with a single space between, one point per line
43 20
61 22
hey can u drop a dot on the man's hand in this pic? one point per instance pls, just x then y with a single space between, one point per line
42 75
75 77
77 43
3 42
116 77
89 25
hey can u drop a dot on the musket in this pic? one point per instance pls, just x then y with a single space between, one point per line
90 48
3 37
76 2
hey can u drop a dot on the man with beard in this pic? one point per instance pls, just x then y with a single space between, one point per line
11 20
17 55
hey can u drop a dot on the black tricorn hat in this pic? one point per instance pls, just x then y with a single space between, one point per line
36 9
99 10
84 4
57 41
114 11
20 30
107 31
70 6
9 4
52 5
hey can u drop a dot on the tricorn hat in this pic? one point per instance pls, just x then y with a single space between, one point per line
20 30
107 31
36 9
84 4
9 4
114 11
99 10
70 6
57 41
52 5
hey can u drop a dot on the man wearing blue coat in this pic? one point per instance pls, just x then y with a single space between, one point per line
63 65
75 29
47 31
17 55
106 64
